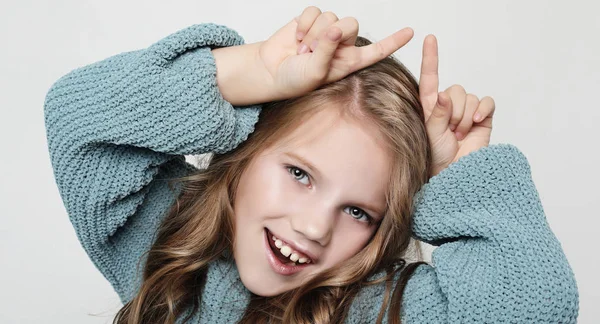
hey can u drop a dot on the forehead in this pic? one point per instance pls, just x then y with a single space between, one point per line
344 149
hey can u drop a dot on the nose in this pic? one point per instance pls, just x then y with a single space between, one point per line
314 222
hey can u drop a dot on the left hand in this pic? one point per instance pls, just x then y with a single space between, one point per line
450 121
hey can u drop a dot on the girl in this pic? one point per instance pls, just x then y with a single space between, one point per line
304 214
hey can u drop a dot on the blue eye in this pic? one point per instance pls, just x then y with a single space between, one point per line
358 214
299 174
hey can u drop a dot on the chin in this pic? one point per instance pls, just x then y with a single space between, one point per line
259 285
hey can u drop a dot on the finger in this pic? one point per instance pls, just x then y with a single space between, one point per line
309 42
458 95
485 110
320 60
429 79
376 52
349 27
306 20
471 104
437 124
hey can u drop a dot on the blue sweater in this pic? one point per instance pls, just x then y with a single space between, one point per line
117 128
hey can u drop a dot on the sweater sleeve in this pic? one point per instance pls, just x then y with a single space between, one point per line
498 260
118 127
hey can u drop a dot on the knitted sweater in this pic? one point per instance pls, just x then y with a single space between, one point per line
118 128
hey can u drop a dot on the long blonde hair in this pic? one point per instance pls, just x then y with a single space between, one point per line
198 228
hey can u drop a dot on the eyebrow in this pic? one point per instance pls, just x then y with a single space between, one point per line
316 171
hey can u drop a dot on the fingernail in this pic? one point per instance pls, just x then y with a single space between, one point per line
459 135
452 127
302 49
299 35
313 45
477 117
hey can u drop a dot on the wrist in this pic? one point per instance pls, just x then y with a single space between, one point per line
240 77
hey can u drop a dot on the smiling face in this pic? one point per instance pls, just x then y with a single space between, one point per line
316 198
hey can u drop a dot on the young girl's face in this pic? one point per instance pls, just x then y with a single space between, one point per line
317 200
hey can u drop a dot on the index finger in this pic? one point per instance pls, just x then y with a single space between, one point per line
376 52
429 80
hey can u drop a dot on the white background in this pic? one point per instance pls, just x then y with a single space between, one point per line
537 59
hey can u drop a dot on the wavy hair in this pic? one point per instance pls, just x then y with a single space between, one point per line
199 227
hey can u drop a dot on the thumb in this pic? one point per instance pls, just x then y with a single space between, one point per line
440 116
323 53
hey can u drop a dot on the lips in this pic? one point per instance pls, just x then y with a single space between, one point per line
274 258
291 250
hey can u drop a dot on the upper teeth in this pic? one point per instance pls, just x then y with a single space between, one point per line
288 252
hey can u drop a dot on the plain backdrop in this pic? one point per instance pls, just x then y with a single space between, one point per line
537 59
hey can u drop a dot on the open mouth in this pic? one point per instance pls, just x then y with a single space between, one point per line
285 260
282 258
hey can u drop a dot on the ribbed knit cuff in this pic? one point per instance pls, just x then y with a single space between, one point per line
199 35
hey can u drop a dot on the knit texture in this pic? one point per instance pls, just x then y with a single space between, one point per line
118 128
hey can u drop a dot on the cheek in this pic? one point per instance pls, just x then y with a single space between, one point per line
261 190
349 238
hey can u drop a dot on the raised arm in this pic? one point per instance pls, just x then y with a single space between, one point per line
497 260
116 125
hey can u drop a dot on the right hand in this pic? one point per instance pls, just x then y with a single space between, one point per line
333 55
